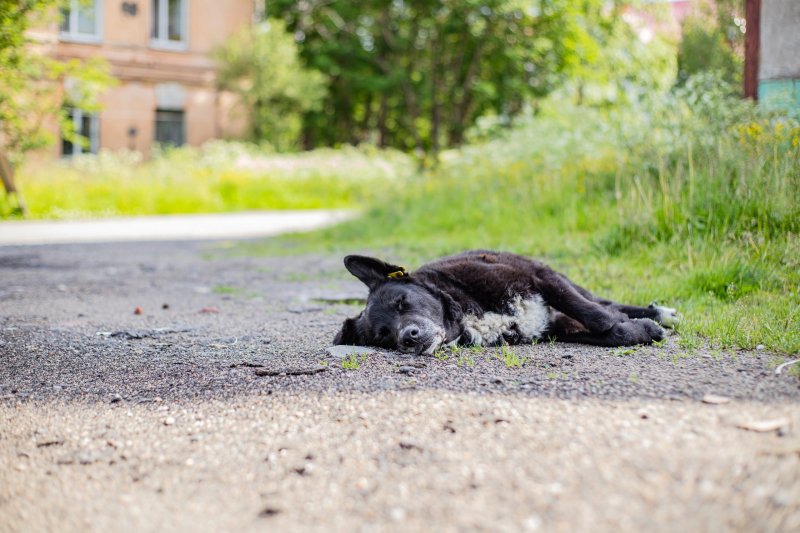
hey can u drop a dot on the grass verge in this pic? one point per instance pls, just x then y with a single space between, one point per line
219 177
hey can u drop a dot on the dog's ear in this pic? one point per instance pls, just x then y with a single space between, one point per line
371 271
452 309
349 333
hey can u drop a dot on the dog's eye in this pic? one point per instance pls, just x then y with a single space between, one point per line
383 332
401 305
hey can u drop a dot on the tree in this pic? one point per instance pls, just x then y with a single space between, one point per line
35 88
416 74
713 40
262 65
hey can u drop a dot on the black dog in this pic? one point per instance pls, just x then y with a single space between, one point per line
488 298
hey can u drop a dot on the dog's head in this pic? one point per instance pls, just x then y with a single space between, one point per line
402 312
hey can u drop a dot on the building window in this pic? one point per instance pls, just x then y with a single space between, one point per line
169 24
170 128
87 126
81 20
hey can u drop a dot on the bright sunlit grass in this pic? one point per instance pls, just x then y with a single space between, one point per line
219 177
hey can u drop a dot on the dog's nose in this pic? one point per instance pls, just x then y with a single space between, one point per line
410 336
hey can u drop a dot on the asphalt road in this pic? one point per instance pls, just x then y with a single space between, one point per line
150 387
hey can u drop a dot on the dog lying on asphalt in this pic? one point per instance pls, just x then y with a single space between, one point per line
488 298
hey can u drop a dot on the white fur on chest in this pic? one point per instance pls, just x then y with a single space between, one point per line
529 317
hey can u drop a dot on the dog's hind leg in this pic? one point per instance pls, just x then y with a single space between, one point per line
597 323
666 316
628 333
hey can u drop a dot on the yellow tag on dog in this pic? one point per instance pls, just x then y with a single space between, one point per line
398 273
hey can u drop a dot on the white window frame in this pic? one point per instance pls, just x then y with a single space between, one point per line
161 40
94 133
73 35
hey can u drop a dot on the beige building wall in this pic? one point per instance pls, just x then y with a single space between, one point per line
152 76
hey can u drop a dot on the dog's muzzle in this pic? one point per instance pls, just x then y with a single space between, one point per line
419 340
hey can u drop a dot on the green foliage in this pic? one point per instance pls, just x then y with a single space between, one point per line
417 75
31 83
217 177
690 198
713 41
610 62
510 358
261 64
353 361
704 48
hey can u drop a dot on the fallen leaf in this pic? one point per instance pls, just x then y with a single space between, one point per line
762 426
714 399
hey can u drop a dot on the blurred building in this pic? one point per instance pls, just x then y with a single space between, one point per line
778 58
160 51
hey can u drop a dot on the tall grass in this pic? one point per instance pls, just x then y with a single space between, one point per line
692 199
218 177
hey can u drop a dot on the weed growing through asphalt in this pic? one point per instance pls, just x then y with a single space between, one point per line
465 358
442 354
353 361
677 356
623 351
224 289
510 358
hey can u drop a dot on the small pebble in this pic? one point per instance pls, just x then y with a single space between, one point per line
406 369
169 421
138 310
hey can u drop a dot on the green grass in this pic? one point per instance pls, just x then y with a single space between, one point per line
691 202
510 358
224 289
219 177
353 361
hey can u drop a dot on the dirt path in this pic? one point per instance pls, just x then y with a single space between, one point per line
161 421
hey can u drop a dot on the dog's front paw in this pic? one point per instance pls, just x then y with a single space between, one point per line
666 316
